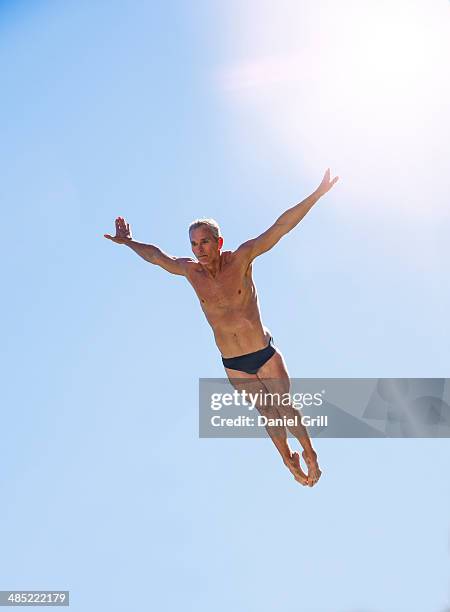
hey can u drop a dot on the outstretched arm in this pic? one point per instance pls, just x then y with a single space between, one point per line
149 252
286 222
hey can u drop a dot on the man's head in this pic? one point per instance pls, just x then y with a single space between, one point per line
206 240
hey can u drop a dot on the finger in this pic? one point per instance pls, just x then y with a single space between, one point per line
107 236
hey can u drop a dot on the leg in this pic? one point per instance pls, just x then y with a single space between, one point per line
250 383
273 374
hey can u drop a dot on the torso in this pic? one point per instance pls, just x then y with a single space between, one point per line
230 303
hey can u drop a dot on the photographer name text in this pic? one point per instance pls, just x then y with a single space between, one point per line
263 421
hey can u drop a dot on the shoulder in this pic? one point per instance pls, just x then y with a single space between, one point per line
243 255
227 256
230 258
174 265
187 264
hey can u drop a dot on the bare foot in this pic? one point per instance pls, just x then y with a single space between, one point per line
294 467
314 472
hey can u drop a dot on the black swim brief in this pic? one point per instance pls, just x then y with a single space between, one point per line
251 362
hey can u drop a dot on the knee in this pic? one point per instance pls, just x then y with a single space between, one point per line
287 410
270 412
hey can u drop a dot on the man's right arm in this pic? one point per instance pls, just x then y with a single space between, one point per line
149 252
154 255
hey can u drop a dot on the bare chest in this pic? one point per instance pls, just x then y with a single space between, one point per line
229 288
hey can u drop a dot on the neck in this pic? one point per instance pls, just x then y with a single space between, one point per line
214 266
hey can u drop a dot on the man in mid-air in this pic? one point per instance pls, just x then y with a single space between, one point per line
224 285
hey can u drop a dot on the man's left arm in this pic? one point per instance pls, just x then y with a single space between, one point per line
285 222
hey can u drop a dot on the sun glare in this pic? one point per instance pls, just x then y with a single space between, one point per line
366 90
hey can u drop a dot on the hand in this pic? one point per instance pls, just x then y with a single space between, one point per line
326 184
123 232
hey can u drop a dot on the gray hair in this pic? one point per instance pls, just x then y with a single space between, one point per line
210 223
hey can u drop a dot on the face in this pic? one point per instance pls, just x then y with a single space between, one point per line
204 246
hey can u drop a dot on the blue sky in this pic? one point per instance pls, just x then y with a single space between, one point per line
161 113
